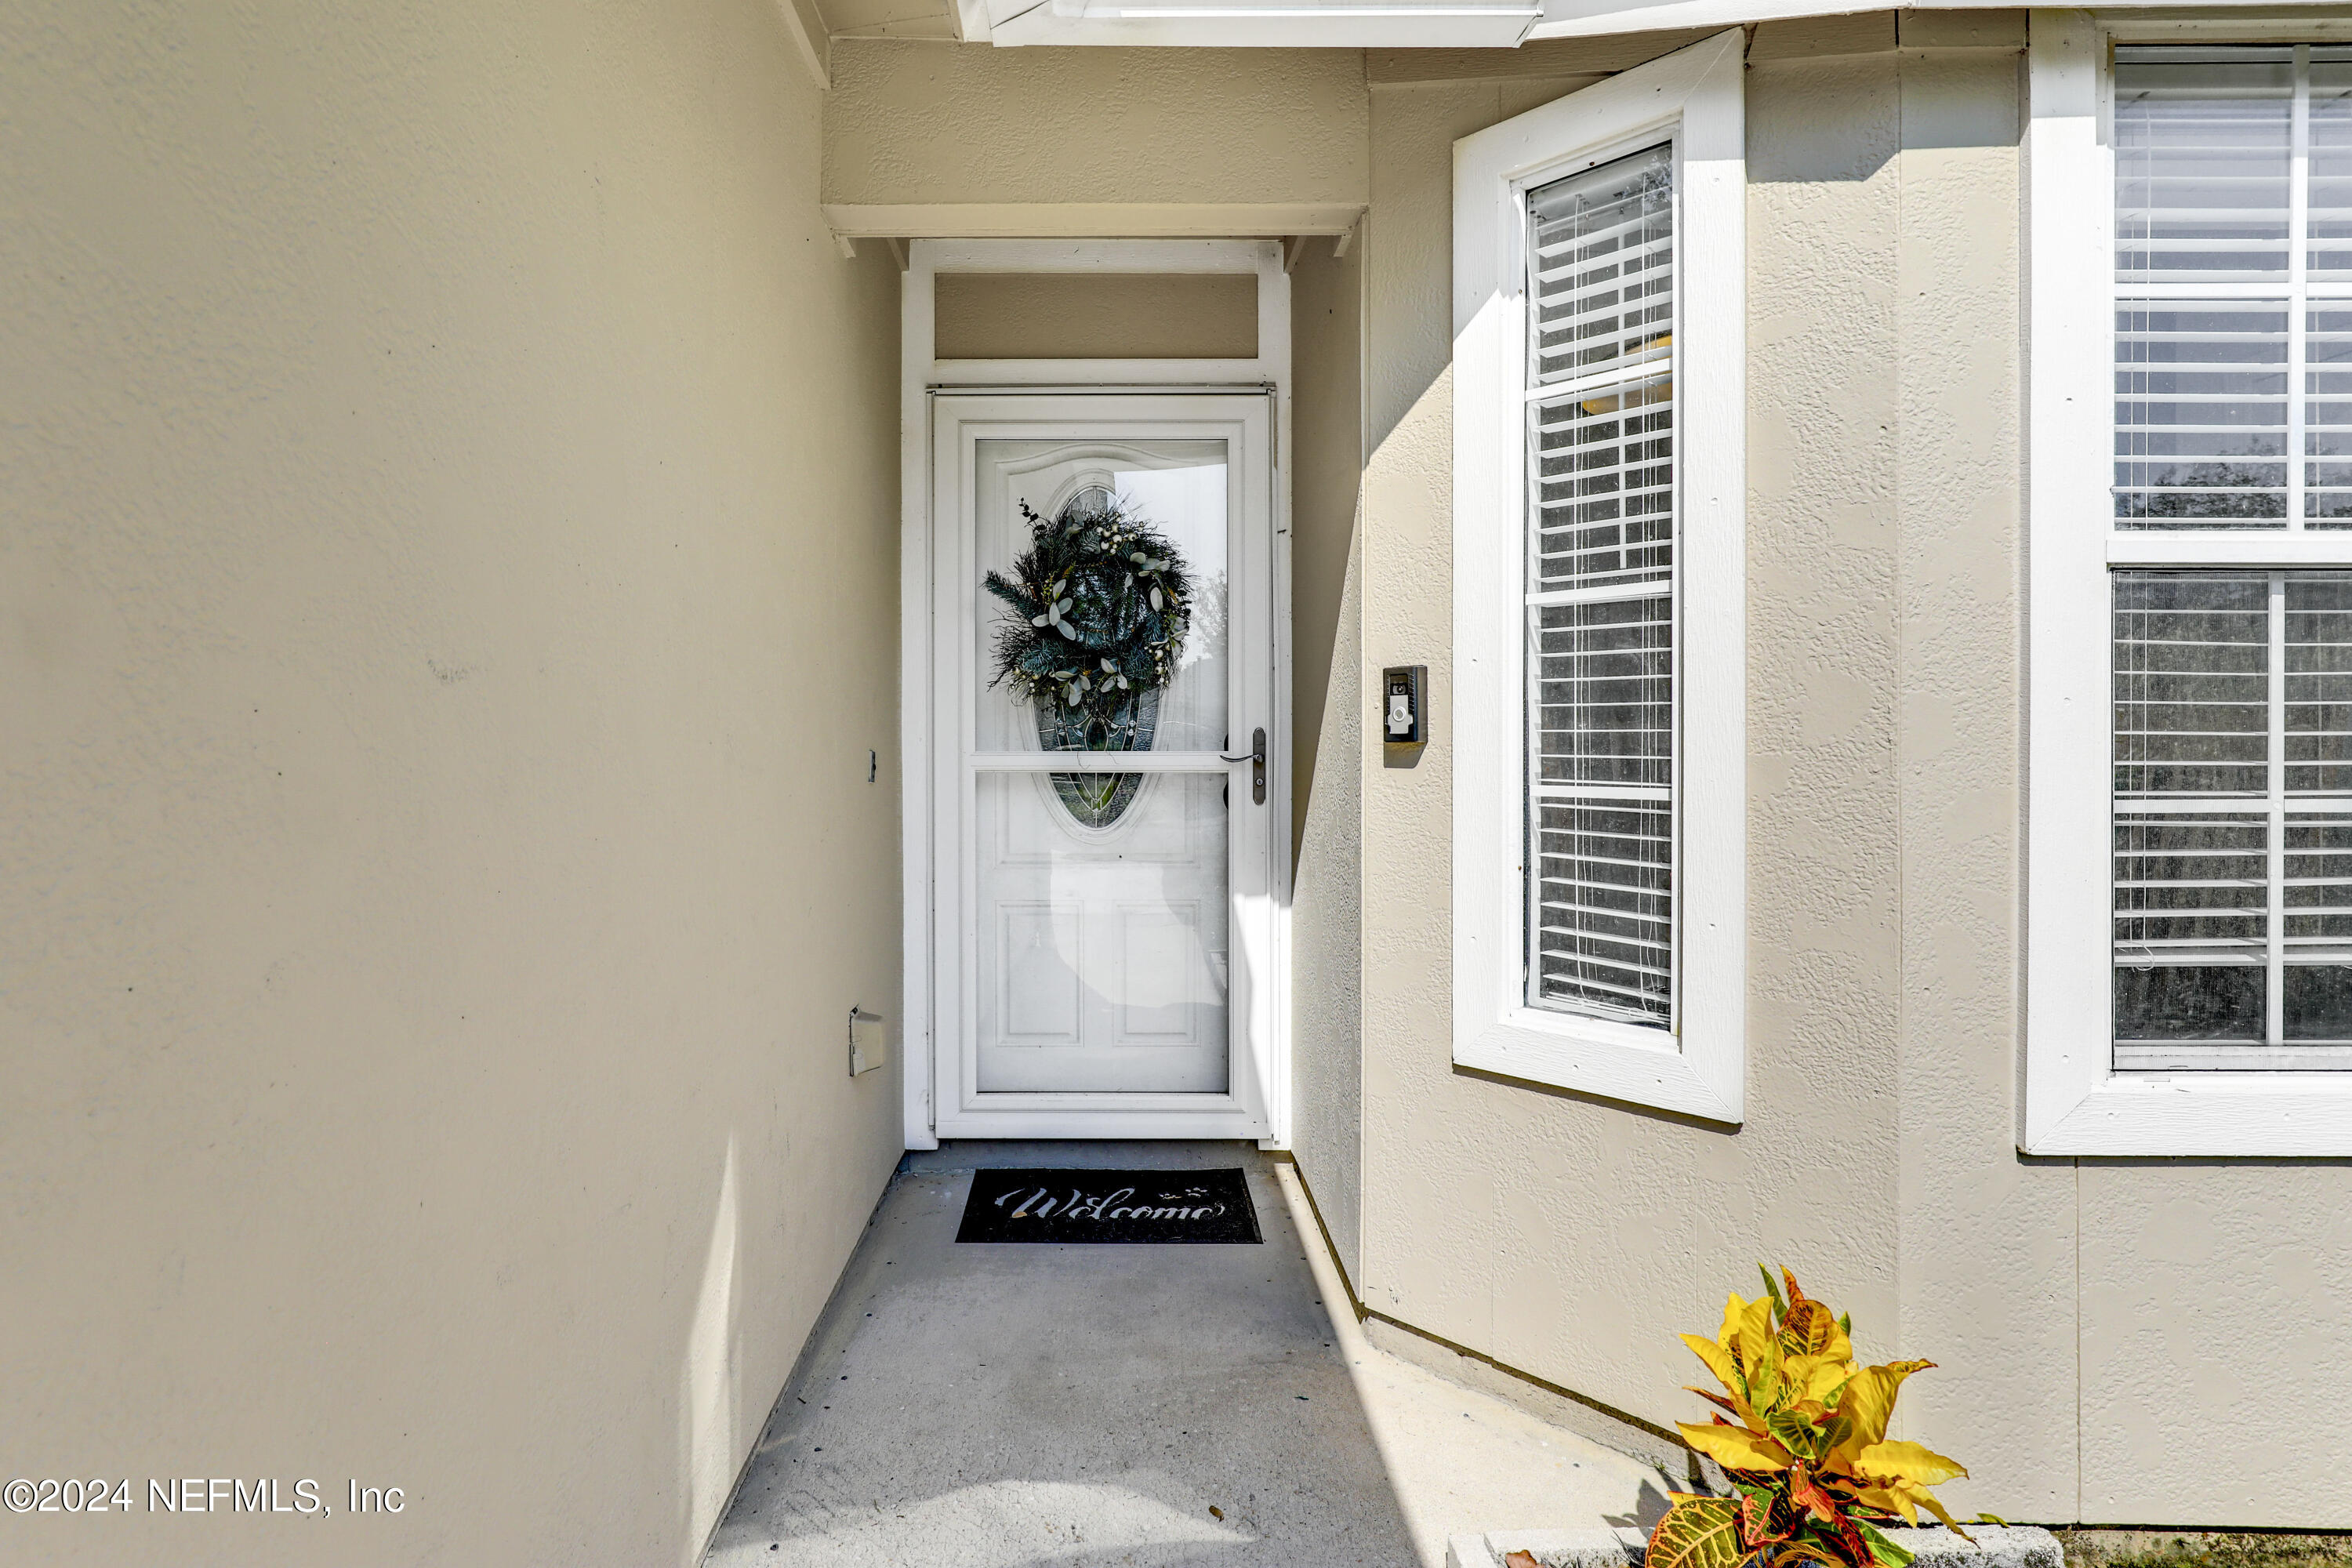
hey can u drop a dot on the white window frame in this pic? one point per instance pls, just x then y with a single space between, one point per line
2076 1102
1697 95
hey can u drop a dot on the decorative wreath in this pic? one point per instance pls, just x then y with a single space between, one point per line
1100 605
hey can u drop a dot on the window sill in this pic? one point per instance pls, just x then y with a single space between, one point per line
1613 1061
2211 1115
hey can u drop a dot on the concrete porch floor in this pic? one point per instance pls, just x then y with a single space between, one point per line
1021 1406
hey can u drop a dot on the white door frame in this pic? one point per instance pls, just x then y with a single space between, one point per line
1263 1050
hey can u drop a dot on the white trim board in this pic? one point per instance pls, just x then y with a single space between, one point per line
804 24
1264 23
1403 24
851 222
966 254
1069 374
916 340
1697 95
923 378
2074 1101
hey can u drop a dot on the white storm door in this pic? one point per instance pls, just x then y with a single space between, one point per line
1104 916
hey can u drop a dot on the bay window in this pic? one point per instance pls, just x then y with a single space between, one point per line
2191 247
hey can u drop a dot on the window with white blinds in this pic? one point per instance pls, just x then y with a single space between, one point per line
2187 566
2232 789
1600 676
1600 603
2233 287
2233 820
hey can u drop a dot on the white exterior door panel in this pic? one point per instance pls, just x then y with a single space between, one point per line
1103 981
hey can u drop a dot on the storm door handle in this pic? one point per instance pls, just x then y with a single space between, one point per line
1255 757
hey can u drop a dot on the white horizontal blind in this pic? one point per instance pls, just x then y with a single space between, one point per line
2233 820
2233 287
1600 608
2232 797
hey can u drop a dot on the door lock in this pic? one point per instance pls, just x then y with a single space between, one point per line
1255 757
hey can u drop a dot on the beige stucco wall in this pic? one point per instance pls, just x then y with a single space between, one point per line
1326 991
1327 467
1114 315
1326 708
448 587
2214 1355
919 123
1985 1242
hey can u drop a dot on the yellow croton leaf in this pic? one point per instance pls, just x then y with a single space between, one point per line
1757 1350
1765 1391
1734 1304
1865 1406
1888 1500
1719 1360
1906 1462
1926 1500
1815 1377
1752 1336
1736 1447
1697 1532
1797 1429
1806 1328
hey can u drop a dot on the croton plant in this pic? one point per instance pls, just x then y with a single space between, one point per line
1804 1444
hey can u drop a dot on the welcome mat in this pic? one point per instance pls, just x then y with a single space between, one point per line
1108 1206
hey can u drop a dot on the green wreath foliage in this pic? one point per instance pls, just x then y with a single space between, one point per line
1100 608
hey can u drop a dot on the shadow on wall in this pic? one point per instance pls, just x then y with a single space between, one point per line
709 1378
1804 79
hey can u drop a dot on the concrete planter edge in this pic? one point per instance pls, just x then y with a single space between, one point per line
1997 1546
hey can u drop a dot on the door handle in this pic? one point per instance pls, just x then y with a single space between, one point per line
1255 757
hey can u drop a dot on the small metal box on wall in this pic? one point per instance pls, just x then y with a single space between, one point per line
1403 706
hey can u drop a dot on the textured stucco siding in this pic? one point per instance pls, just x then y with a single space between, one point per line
2216 1345
1986 1239
1436 1235
917 123
1327 726
447 597
1326 483
1327 927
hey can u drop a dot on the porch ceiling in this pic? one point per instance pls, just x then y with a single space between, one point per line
1316 24
890 18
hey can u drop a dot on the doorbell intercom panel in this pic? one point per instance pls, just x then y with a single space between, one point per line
1403 706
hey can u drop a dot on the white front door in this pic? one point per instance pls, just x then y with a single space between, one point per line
1102 879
